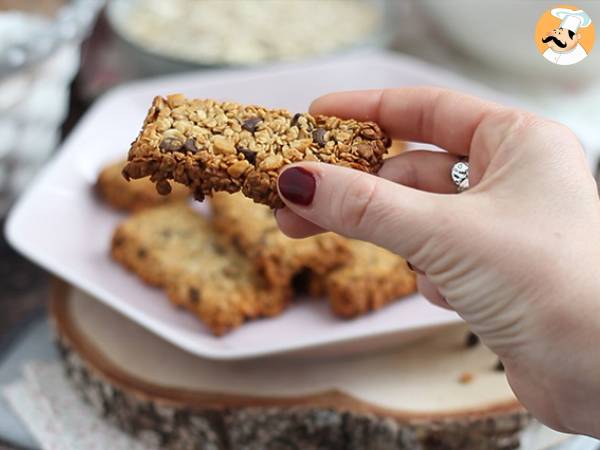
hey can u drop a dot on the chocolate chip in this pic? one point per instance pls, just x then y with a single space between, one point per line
301 281
319 136
142 253
137 169
499 367
170 145
248 154
194 295
251 124
472 340
237 244
295 119
219 250
198 194
190 146
163 187
230 271
386 141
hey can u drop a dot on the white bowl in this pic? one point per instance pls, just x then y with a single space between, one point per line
500 33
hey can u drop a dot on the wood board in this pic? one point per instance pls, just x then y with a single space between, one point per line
413 398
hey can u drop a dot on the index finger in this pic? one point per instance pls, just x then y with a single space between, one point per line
436 116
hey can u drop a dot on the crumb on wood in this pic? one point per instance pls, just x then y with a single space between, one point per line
466 378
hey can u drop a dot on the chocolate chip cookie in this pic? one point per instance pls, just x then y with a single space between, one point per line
135 195
253 230
175 248
372 278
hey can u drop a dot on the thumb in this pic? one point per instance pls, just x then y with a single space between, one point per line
364 206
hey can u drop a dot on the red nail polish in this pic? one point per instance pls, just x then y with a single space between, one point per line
297 185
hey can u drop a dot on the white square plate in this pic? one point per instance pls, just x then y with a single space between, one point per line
59 224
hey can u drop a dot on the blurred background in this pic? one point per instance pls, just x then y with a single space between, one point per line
58 56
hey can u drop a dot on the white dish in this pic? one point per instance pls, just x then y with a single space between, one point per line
490 19
59 224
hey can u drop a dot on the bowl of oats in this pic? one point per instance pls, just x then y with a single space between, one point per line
193 33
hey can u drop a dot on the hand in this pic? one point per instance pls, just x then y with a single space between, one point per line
516 255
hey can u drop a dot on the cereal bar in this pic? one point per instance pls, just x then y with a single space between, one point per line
223 146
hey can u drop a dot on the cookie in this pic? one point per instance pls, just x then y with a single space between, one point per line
212 146
135 195
253 230
175 248
372 278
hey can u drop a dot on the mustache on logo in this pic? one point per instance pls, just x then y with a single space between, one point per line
555 40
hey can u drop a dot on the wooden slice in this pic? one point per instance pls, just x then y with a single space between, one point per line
436 393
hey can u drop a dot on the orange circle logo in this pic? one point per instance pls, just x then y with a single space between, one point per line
565 35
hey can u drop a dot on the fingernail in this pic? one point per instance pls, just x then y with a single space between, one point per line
297 185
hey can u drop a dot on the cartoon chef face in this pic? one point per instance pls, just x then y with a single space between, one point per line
561 40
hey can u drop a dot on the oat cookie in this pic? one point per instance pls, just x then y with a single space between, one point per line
173 247
212 146
253 229
135 195
371 279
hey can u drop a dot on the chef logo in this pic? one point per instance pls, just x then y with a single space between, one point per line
565 35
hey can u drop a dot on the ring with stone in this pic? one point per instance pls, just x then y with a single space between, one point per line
460 175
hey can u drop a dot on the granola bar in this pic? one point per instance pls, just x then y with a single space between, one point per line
135 195
372 278
223 146
253 230
175 248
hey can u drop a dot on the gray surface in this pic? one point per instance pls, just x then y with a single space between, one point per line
34 343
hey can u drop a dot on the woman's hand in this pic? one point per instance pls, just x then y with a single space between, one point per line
517 255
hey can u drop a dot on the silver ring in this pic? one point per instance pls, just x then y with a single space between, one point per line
460 175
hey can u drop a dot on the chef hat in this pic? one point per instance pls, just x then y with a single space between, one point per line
572 20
